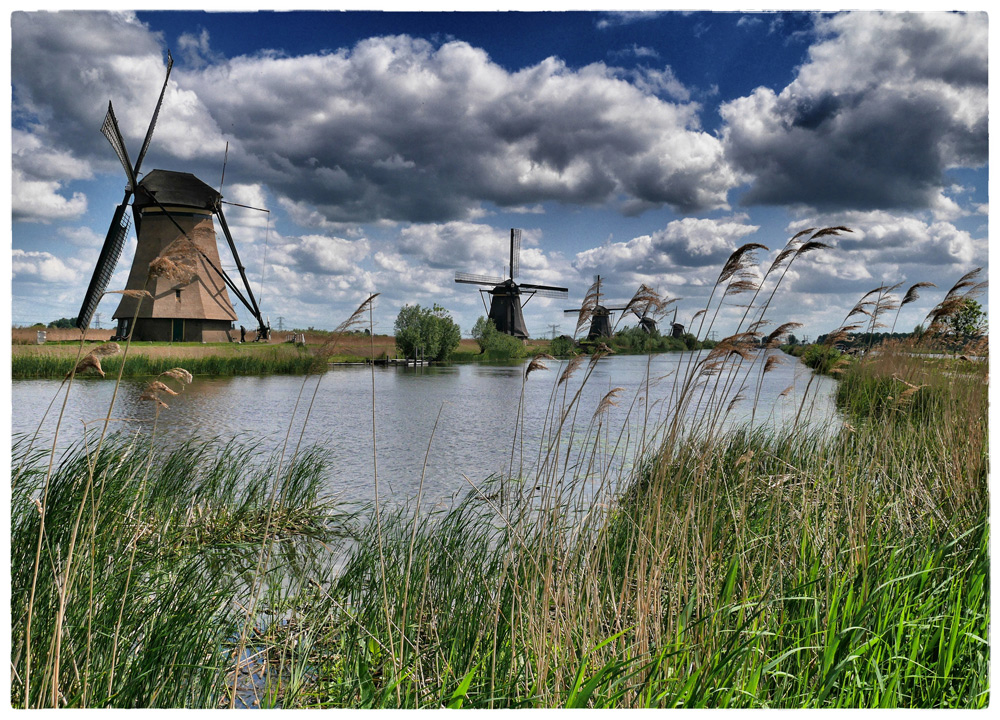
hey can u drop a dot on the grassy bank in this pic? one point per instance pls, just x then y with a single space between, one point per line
746 568
266 361
55 360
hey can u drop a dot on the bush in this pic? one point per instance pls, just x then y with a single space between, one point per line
562 346
430 330
821 358
636 340
495 344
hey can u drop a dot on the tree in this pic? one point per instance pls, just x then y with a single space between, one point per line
63 323
430 331
969 321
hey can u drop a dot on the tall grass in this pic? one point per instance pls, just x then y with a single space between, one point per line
53 366
155 631
835 567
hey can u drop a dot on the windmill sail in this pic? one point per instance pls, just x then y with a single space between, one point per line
515 252
110 130
156 114
473 279
114 242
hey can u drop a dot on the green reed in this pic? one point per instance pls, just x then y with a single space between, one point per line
25 366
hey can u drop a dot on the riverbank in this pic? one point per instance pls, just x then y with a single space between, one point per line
55 358
751 569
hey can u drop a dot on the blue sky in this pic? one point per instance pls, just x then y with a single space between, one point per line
394 149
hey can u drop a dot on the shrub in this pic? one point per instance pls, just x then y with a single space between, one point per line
562 345
495 344
821 358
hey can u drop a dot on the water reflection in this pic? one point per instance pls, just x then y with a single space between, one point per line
476 409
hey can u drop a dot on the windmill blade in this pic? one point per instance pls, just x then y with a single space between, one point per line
156 113
114 136
532 286
472 279
558 293
574 310
515 252
239 266
114 241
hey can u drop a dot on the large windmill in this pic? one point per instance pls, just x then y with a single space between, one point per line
505 295
173 213
600 316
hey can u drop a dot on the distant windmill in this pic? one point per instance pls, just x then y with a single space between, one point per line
505 295
600 316
646 320
676 329
173 214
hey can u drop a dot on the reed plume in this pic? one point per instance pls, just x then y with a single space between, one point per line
609 399
177 262
537 364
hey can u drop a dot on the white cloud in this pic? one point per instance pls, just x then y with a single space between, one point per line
686 243
398 128
43 267
41 201
82 237
319 254
885 103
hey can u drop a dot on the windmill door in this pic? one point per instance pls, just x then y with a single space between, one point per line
177 334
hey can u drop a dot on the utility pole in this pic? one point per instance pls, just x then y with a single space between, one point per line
281 321
554 328
97 320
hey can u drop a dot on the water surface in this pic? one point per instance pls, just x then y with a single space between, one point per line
474 407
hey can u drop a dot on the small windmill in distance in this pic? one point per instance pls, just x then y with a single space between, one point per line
505 296
599 315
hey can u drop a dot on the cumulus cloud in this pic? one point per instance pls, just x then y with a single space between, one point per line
99 56
685 243
42 201
463 246
398 128
886 248
681 260
885 104
43 267
323 255
393 128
